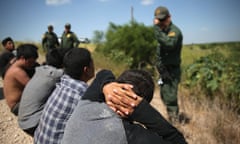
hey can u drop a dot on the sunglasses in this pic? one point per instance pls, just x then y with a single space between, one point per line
163 19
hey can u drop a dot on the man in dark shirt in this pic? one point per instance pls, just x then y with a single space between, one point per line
7 54
5 57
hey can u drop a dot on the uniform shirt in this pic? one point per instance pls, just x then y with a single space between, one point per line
35 95
69 40
170 45
58 110
50 41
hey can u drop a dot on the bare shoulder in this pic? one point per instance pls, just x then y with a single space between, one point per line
15 71
16 74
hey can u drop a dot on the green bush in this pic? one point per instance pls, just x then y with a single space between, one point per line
215 75
131 43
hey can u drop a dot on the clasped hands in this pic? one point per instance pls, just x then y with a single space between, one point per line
121 98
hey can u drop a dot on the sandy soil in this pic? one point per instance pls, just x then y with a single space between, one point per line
10 133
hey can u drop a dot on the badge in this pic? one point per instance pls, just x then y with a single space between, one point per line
171 34
68 35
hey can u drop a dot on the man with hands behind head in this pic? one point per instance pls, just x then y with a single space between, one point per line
94 122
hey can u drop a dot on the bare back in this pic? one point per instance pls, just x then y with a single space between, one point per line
13 84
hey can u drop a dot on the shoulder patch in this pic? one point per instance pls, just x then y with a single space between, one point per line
171 34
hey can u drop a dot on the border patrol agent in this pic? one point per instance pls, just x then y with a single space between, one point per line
50 39
69 39
168 59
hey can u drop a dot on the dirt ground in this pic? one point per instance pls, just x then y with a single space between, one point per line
10 133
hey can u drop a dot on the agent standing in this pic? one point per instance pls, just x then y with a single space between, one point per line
69 39
169 38
50 40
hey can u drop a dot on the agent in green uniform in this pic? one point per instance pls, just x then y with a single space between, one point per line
169 38
50 40
69 39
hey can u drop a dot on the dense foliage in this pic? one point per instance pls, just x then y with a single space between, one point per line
216 75
131 43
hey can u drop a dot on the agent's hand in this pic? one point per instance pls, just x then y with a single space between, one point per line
165 75
121 98
159 23
156 21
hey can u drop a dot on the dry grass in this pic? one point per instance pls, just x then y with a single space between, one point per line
210 123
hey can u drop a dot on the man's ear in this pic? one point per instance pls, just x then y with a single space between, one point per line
85 69
22 58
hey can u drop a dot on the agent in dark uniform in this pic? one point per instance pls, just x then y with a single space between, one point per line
169 38
69 39
50 40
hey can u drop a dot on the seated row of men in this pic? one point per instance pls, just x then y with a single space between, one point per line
56 105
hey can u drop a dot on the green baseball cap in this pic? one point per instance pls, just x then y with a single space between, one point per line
161 12
67 25
50 26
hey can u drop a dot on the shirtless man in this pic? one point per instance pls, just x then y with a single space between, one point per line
16 76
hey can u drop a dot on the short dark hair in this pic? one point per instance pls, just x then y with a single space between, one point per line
4 41
141 80
75 60
55 56
27 51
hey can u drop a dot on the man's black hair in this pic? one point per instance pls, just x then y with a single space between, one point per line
75 60
27 51
4 41
141 80
55 56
